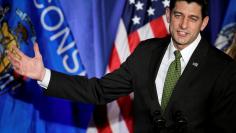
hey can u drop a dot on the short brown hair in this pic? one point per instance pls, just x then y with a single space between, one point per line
202 3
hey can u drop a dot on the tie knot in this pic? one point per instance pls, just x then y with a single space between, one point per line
177 54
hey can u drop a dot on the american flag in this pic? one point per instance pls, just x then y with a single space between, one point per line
141 20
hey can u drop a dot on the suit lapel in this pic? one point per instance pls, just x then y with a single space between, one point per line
154 64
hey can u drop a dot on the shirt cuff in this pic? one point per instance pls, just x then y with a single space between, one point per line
45 82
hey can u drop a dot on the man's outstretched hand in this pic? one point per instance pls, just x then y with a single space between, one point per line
25 65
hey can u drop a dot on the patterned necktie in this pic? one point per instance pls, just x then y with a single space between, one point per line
172 76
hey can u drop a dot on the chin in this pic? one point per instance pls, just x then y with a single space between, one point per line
181 42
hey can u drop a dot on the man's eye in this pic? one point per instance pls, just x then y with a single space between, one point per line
194 19
177 15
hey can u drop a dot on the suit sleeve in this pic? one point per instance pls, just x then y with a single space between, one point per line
97 91
94 90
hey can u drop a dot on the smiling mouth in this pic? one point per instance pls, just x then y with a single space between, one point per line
182 33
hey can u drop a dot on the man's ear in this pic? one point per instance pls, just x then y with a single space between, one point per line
168 14
204 23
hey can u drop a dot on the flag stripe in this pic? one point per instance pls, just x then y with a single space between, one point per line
125 104
121 42
133 41
114 62
161 30
145 32
116 121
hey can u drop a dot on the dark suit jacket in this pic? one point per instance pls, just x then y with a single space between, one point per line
202 101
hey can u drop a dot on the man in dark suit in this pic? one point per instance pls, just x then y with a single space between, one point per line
202 99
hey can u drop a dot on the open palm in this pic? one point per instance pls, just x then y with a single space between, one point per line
27 66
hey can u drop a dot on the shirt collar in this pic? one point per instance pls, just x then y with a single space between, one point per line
186 52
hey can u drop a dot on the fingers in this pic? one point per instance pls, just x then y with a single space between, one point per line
36 50
14 61
15 57
17 52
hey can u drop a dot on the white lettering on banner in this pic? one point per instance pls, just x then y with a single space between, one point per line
40 6
62 48
37 5
45 12
63 33
76 63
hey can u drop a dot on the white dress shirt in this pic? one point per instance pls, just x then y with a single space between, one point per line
161 75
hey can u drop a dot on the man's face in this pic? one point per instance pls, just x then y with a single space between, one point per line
185 23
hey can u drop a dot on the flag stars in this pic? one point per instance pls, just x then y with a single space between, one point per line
136 20
150 11
166 3
139 6
131 2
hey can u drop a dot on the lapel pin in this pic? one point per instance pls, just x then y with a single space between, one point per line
195 64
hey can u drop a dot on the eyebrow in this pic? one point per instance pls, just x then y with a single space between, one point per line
195 16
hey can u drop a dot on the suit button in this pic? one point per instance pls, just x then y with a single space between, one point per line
180 121
160 123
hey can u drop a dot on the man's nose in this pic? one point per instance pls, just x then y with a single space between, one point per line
184 23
